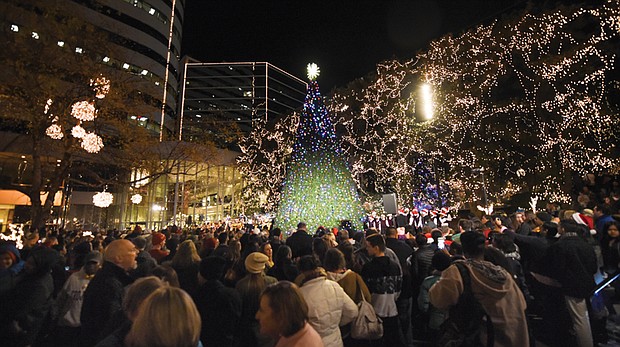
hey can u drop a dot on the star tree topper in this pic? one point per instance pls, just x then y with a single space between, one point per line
313 71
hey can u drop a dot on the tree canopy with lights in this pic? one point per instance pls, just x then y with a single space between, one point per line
531 100
318 188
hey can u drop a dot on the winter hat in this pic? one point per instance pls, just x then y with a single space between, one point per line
212 268
158 238
255 262
93 257
588 212
139 242
441 261
11 250
543 216
585 220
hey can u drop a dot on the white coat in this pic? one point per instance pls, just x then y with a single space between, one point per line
329 307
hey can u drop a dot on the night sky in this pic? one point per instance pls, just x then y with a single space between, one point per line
346 38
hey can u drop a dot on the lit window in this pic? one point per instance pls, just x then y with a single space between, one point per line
14 28
156 83
61 43
198 116
106 59
238 118
125 66
134 117
35 35
144 72
152 11
79 50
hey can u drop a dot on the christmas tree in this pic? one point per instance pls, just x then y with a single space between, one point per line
318 188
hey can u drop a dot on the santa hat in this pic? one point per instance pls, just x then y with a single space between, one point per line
585 220
415 212
434 213
424 212
444 211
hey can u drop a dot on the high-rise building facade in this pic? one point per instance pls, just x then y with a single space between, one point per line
235 93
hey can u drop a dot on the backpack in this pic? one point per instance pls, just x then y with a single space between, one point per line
367 325
464 323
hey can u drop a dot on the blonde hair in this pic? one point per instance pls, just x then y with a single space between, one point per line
186 255
138 292
167 318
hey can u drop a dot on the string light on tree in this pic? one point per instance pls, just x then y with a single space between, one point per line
78 132
101 86
54 131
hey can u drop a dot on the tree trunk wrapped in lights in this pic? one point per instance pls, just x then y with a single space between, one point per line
318 188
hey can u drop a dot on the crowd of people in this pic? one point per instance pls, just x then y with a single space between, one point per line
512 280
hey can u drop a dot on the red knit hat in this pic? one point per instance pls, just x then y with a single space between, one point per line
158 239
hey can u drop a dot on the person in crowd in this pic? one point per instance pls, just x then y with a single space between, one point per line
153 326
492 286
328 305
69 300
350 281
404 303
103 298
383 277
300 242
27 306
610 247
522 225
319 247
11 265
136 293
505 244
275 239
186 263
146 263
283 315
249 288
348 250
219 306
222 249
158 251
209 245
267 250
573 264
167 274
433 317
284 269
602 216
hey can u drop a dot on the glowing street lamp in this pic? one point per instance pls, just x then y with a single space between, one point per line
426 93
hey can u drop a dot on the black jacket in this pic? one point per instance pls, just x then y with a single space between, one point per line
102 302
300 243
220 311
573 262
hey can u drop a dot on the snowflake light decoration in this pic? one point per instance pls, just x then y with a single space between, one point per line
103 199
92 143
84 111
136 199
101 86
54 131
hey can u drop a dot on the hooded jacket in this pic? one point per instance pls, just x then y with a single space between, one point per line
496 291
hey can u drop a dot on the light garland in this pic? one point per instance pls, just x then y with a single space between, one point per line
16 235
84 111
103 199
136 199
92 143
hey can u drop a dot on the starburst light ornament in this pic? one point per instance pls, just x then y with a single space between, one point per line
84 111
92 143
103 199
313 71
78 132
136 199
